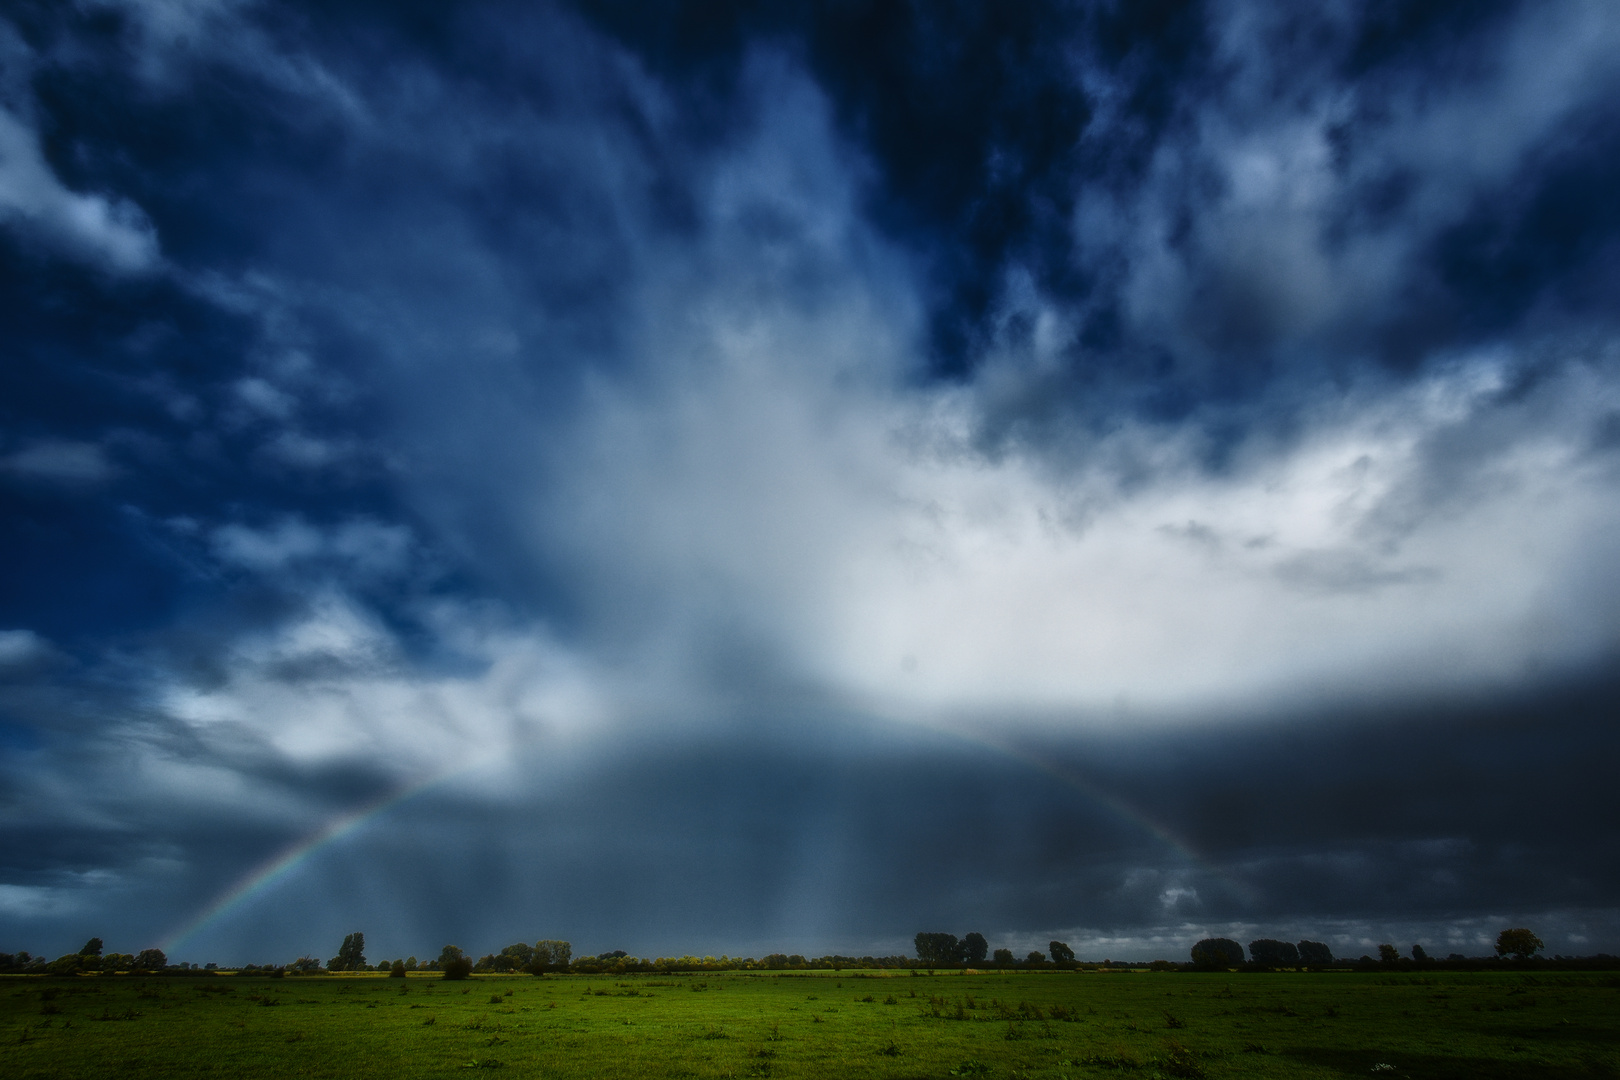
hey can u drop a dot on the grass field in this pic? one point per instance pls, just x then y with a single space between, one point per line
818 1024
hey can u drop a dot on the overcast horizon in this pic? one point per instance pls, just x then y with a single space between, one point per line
702 478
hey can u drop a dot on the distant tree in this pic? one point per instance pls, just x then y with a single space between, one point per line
935 949
410 963
516 957
151 960
1061 953
1519 942
1418 954
1217 952
304 965
1003 958
1035 958
1267 952
117 962
351 954
1314 954
71 964
92 948
1389 954
550 956
796 961
449 953
974 948
397 970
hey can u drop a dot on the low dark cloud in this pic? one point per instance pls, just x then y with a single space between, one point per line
1122 471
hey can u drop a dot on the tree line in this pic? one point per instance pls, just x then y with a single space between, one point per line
1224 953
933 950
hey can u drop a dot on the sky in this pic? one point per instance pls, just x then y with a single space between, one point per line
729 478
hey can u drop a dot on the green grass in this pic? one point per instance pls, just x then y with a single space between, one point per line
1481 1026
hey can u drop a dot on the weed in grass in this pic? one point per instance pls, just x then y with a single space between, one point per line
889 1000
890 1050
972 1067
1173 1021
1181 1062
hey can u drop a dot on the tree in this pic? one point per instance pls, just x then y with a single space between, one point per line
516 957
1061 953
1003 958
151 959
1217 952
397 971
1418 954
935 949
92 948
1315 954
974 948
1035 958
351 954
1267 952
550 955
304 965
454 963
1519 942
70 964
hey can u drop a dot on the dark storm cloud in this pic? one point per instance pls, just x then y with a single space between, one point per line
642 410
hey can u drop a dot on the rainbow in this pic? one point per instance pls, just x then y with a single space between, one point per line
269 873
1122 810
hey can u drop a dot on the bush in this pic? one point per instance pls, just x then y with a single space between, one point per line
457 968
